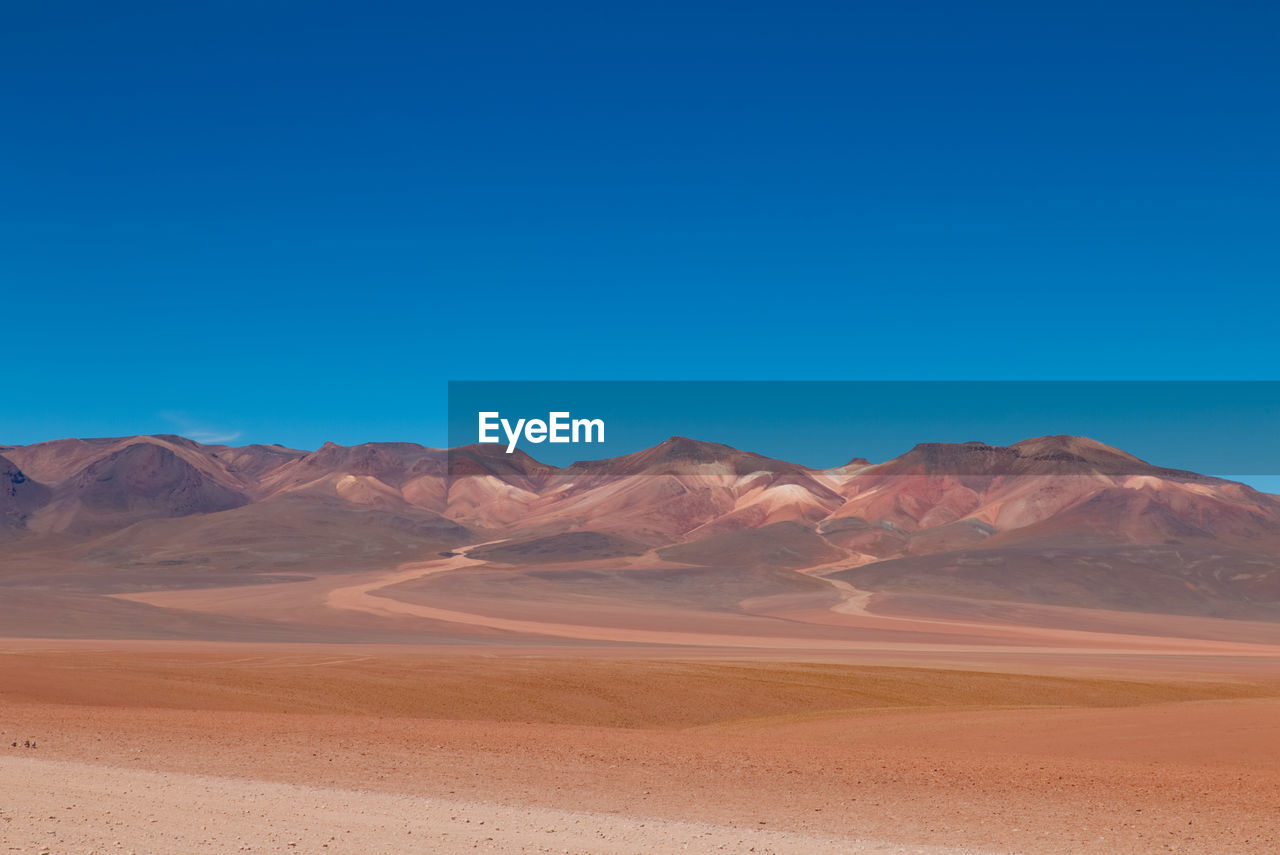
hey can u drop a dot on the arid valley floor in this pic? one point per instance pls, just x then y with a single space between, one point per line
176 746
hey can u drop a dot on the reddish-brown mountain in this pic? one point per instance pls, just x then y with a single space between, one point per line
1052 520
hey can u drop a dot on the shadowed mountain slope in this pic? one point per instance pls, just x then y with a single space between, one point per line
20 497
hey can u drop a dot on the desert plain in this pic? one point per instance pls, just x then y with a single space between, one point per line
1139 743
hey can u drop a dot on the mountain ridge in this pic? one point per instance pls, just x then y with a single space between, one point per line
165 500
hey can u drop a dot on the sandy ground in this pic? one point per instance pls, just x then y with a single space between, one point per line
572 722
53 806
259 746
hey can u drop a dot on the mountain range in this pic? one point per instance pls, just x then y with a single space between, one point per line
1055 521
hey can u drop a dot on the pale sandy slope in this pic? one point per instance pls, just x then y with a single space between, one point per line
60 807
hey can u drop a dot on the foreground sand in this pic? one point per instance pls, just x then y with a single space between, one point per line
72 807
269 745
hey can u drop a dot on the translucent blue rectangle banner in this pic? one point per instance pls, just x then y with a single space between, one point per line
1227 429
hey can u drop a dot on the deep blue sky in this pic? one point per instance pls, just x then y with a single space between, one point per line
295 222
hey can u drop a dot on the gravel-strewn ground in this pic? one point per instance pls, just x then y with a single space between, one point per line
251 748
60 807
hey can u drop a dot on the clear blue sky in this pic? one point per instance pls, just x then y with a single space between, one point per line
295 222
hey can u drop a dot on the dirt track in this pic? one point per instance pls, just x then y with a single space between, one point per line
380 597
